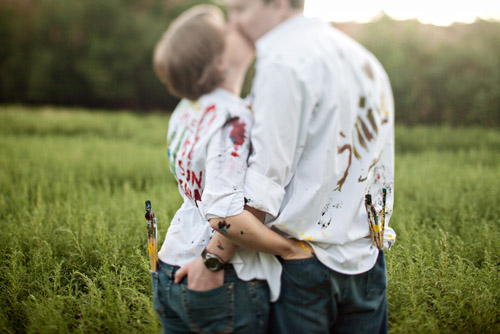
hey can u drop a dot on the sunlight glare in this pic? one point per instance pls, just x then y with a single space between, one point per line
438 12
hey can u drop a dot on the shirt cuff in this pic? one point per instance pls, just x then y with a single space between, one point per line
262 193
221 205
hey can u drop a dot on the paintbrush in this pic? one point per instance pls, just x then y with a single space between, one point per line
152 233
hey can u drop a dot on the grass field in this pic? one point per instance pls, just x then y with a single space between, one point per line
72 240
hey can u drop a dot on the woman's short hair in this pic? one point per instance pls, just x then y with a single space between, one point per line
185 59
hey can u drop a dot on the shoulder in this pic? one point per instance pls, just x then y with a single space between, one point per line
303 41
241 109
238 116
311 44
226 105
181 109
302 53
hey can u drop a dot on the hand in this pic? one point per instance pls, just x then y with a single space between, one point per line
298 250
199 277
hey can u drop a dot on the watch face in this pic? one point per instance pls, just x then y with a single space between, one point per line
212 264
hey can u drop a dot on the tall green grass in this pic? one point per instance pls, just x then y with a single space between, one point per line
73 243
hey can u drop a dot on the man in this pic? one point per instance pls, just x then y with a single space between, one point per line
323 138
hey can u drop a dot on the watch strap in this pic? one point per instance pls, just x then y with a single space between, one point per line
212 261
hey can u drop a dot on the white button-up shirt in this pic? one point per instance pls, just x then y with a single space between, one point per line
208 147
323 138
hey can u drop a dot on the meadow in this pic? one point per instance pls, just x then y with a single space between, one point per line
73 253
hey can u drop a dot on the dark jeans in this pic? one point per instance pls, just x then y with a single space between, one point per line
316 299
235 307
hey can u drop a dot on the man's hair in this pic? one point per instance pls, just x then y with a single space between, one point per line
186 56
297 4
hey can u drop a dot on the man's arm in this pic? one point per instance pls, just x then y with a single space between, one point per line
247 231
278 96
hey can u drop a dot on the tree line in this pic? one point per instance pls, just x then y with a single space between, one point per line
439 75
97 54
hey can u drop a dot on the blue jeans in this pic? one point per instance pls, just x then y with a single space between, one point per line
316 299
235 307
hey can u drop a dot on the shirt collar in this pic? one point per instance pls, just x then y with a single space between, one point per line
273 36
226 95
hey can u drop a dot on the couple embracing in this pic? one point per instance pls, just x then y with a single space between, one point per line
273 235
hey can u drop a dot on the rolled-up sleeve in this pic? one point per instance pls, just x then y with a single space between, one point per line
226 166
277 99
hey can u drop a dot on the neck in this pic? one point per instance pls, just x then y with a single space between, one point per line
293 12
284 17
234 80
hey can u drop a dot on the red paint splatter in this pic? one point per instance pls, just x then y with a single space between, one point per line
201 125
237 134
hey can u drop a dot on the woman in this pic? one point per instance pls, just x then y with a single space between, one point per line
204 62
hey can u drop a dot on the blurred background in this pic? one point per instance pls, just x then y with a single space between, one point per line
97 54
74 176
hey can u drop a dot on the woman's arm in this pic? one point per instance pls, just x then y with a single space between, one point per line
244 230
199 277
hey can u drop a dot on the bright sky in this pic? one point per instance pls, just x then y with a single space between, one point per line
439 12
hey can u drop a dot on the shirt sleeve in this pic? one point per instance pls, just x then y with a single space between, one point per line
277 102
226 165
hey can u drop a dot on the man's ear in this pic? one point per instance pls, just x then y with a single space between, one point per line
283 4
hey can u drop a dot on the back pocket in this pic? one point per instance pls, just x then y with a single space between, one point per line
210 311
157 295
376 282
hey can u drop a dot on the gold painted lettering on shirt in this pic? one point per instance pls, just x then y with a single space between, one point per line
367 69
364 131
340 150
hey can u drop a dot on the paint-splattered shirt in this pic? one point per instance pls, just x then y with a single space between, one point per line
323 138
208 147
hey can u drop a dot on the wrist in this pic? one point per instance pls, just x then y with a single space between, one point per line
290 248
212 261
297 249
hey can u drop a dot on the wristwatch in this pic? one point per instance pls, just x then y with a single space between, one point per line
212 261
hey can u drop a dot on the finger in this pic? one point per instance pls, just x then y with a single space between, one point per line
180 274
